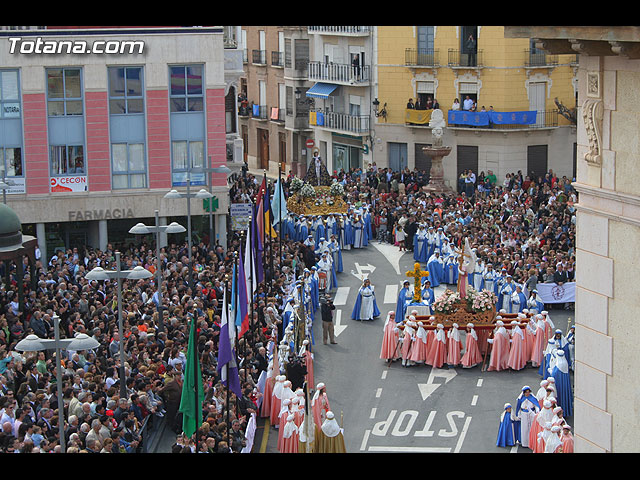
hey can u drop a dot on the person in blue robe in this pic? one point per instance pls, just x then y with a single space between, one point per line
435 268
431 242
315 290
450 270
303 232
287 313
336 253
420 245
562 344
320 233
489 278
527 406
367 231
405 297
428 295
506 431
548 359
366 307
504 295
560 373
534 304
520 300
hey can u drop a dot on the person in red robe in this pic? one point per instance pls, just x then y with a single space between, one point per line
517 357
390 351
438 353
567 439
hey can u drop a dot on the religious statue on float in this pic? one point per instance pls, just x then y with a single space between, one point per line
466 265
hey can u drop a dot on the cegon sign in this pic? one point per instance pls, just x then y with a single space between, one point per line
102 214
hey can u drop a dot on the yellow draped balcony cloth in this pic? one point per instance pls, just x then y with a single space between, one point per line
418 117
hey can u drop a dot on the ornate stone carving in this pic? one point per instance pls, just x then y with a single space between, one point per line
592 112
437 125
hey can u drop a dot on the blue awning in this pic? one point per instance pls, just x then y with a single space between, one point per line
321 90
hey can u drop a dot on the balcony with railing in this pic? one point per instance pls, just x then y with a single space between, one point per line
456 58
259 57
539 59
543 119
339 122
277 59
338 73
341 30
259 112
420 57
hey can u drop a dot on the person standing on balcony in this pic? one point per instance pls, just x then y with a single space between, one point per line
468 103
471 46
455 105
355 63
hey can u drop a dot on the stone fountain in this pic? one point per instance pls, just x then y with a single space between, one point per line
437 152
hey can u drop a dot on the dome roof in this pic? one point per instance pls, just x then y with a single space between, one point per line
10 227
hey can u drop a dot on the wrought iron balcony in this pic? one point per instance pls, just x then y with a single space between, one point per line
539 59
338 73
421 57
463 59
340 122
340 29
259 57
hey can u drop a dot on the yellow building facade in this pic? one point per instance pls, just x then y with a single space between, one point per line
509 74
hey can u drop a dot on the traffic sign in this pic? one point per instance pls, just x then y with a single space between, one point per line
310 143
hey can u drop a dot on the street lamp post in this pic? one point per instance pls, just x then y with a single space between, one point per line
137 273
202 193
142 229
33 343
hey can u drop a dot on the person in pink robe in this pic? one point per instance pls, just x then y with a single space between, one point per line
499 358
265 408
517 358
290 436
540 342
320 404
285 411
472 355
454 346
431 336
419 346
567 439
529 337
438 353
276 399
390 351
544 416
408 335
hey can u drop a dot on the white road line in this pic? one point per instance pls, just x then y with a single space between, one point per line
384 374
378 393
411 449
479 384
372 415
363 445
514 449
391 294
462 435
474 400
341 296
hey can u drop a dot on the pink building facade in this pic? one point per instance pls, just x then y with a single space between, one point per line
91 143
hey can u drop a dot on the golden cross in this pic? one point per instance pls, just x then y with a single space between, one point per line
417 275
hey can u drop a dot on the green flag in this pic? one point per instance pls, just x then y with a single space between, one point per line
192 413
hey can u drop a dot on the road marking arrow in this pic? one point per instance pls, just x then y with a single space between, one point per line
338 328
428 388
361 269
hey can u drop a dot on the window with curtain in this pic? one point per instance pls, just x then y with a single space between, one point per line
128 166
187 155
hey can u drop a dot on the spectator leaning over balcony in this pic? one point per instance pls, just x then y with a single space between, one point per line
455 105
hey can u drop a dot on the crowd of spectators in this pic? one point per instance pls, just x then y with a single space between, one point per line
523 224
